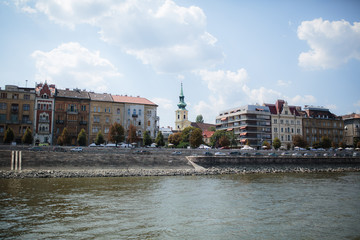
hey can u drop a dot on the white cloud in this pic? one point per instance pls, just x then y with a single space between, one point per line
70 64
332 43
302 100
224 82
159 33
260 95
166 111
282 83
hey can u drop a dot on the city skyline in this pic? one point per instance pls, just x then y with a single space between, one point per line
226 54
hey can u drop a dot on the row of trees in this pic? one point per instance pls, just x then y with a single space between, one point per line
190 136
9 136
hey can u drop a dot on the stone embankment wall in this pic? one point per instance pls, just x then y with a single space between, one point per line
209 161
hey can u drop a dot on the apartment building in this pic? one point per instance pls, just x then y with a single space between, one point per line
44 113
249 123
72 110
101 105
319 122
286 121
351 129
16 110
139 112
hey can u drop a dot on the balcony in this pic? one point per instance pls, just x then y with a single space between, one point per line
134 115
26 121
59 121
72 111
12 121
83 122
44 120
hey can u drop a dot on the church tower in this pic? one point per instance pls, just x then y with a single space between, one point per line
181 115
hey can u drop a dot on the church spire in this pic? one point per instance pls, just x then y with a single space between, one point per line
182 103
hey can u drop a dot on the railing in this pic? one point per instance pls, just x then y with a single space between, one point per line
83 122
44 120
59 121
134 115
26 121
12 121
74 111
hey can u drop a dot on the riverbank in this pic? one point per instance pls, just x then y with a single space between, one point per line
139 172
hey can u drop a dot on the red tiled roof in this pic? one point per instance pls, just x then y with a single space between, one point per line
207 134
135 100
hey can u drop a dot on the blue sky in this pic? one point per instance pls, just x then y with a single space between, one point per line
226 53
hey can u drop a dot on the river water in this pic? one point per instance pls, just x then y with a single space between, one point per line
253 206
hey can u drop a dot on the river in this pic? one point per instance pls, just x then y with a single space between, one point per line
250 206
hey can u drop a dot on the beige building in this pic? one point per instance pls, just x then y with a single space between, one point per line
16 110
286 122
137 111
352 129
101 115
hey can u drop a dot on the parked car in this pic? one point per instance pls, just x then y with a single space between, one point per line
234 153
219 154
297 154
310 155
176 153
257 154
77 149
285 154
272 154
43 144
59 149
208 154
36 149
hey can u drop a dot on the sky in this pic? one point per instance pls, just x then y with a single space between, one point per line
226 53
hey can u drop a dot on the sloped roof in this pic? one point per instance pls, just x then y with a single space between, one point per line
278 107
100 97
134 100
202 126
72 93
208 134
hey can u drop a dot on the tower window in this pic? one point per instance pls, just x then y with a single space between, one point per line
184 116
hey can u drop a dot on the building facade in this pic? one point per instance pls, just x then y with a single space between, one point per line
351 129
250 123
286 122
72 110
16 110
44 113
139 112
181 114
101 105
319 122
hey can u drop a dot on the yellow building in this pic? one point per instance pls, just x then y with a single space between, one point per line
181 114
101 115
16 110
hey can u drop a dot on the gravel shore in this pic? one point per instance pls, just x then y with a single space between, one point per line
250 169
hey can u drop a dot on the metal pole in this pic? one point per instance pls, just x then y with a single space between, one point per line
16 160
12 160
20 160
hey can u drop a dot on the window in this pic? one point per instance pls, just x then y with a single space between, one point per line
178 116
298 131
98 109
281 121
3 106
184 116
282 130
275 121
26 96
286 113
26 107
139 112
96 119
118 111
2 118
15 96
83 107
106 130
3 95
94 109
275 129
109 109
107 120
105 109
134 112
95 129
139 123
129 111
149 123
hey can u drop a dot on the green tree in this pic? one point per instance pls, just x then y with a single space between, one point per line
64 137
147 139
214 140
132 136
342 145
9 135
276 143
196 138
299 141
27 138
81 139
224 141
160 139
325 142
213 129
185 134
358 144
116 133
199 119
175 138
266 144
99 138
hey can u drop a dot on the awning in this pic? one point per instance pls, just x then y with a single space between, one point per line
243 140
223 119
229 129
243 134
242 127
